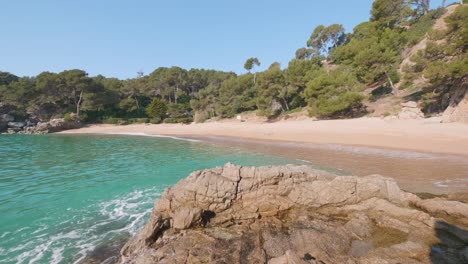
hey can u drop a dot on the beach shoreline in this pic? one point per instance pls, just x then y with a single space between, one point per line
427 135
424 156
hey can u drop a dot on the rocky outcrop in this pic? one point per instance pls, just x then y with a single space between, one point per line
457 111
295 214
28 127
410 110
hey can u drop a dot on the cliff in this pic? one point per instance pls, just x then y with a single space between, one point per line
294 214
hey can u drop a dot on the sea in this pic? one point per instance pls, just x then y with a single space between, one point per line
69 198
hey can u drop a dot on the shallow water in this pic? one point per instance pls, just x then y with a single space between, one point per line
64 196
414 171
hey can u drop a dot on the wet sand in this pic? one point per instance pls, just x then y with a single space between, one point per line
416 172
422 155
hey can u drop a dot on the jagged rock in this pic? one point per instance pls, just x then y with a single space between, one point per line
16 124
457 111
293 214
7 118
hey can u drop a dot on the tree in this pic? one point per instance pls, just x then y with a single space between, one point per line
157 108
74 83
7 78
269 86
250 63
305 53
333 94
325 39
390 14
421 7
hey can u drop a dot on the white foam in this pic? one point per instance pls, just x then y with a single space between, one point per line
88 230
150 135
454 183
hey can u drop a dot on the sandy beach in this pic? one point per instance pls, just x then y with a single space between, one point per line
422 155
426 135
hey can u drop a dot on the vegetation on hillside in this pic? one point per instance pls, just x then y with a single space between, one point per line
328 76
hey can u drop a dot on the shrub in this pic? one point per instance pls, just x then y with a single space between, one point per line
343 105
157 108
184 120
67 117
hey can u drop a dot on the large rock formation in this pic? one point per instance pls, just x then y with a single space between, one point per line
294 214
457 111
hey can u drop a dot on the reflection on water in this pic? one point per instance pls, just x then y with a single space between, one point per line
415 171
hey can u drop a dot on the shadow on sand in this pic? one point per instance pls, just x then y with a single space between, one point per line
452 246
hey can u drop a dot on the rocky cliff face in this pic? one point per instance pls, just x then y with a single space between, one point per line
294 214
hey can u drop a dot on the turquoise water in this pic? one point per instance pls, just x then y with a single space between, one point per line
64 196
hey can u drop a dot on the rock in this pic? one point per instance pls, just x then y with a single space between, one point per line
54 125
360 248
410 104
410 113
7 118
439 206
16 124
458 196
293 214
3 126
457 111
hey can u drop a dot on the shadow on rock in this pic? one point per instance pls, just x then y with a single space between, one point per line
452 246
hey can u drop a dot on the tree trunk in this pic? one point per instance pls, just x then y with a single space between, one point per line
286 104
78 104
443 3
394 91
255 77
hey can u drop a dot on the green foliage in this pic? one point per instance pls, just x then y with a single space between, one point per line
324 39
183 120
157 108
250 63
328 75
67 117
334 93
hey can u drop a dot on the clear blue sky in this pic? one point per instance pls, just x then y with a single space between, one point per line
117 38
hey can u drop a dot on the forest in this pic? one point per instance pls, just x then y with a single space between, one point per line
328 76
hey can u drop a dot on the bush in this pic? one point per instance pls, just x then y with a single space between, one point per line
67 117
157 108
111 120
344 105
184 120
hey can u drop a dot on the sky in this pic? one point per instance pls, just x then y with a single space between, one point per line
118 38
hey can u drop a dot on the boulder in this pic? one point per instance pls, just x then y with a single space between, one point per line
457 111
293 214
16 124
409 104
54 125
7 118
410 110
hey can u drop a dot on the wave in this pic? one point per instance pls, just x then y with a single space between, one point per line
150 135
73 239
453 183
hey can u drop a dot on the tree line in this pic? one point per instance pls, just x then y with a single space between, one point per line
328 76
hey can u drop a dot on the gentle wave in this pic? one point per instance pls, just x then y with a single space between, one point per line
150 135
122 215
453 183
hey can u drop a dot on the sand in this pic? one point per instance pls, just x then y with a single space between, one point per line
427 135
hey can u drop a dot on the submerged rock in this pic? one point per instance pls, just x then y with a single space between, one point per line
294 214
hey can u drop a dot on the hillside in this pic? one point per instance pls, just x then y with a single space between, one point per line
406 61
